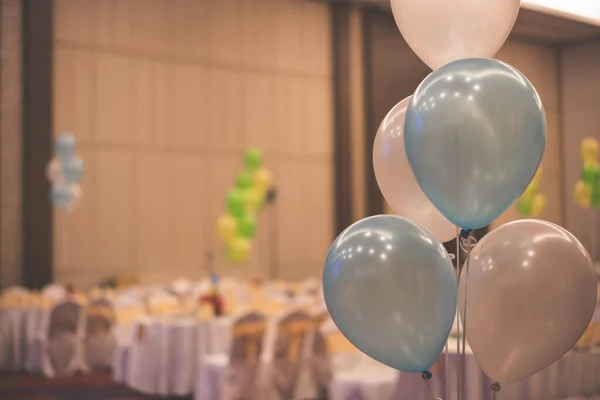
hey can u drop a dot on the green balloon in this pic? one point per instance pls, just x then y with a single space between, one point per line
596 195
253 158
236 202
244 180
525 206
247 226
590 174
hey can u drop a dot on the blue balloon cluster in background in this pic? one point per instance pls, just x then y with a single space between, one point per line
60 195
73 169
65 146
65 171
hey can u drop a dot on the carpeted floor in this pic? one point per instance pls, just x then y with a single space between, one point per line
82 387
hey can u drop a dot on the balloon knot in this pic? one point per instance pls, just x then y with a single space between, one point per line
426 375
495 386
464 233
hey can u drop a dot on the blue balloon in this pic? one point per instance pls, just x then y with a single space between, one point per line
73 169
65 145
61 196
475 133
391 289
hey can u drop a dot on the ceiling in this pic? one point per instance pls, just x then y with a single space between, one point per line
535 22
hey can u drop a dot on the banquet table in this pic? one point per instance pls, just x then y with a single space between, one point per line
20 330
575 375
162 353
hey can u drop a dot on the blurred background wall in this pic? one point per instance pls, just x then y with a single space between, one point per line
163 97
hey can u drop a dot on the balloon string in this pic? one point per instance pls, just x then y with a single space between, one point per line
446 357
495 387
426 375
65 239
593 235
468 242
464 315
457 318
429 392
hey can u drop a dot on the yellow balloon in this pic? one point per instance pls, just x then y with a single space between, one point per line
255 198
263 178
537 177
589 149
238 249
226 227
538 204
583 194
530 191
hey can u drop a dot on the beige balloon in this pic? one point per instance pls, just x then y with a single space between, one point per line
531 293
396 180
442 31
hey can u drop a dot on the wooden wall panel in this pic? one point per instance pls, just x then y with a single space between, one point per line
580 98
163 97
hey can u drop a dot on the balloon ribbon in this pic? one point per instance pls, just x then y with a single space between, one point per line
467 242
457 316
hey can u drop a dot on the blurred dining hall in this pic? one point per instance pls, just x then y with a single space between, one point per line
174 172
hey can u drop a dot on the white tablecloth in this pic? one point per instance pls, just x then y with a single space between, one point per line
165 360
577 374
21 328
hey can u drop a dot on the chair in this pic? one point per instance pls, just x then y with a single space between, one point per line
34 321
163 302
54 292
62 343
128 306
311 286
100 343
181 287
143 357
236 375
299 368
15 300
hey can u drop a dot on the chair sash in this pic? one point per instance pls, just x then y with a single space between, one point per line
243 372
63 350
300 367
100 343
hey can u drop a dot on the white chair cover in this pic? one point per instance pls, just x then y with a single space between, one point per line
54 292
243 371
13 339
299 367
62 347
100 342
162 302
311 286
237 374
16 290
142 366
35 320
130 308
181 286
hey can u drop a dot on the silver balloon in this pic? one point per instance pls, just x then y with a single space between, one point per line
530 296
390 288
475 133
396 180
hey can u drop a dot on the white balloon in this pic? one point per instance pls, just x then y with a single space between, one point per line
396 180
76 195
441 31
530 295
76 191
54 171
